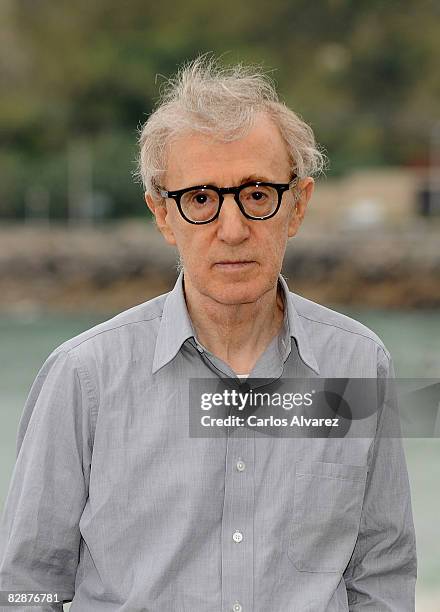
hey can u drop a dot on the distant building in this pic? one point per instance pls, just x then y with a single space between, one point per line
389 197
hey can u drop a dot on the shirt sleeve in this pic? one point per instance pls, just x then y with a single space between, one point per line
382 571
39 529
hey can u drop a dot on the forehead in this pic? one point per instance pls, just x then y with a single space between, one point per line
194 158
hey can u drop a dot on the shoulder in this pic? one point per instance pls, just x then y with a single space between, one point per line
339 336
140 321
318 315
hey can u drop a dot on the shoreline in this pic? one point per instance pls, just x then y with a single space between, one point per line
120 264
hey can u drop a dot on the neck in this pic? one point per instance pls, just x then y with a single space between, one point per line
236 333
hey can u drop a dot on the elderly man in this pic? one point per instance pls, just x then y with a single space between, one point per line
113 505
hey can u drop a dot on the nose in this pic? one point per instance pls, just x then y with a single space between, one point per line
233 227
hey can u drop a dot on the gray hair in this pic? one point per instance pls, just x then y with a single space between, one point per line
223 102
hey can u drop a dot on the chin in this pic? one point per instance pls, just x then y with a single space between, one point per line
236 292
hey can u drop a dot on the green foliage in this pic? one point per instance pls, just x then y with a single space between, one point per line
363 73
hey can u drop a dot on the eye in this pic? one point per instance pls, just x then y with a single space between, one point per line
258 195
201 198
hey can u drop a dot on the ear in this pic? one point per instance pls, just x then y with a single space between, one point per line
160 212
304 190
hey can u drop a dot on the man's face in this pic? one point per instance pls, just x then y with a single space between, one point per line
195 159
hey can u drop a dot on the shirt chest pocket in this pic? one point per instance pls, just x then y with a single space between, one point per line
326 514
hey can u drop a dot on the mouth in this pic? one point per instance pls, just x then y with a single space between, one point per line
234 265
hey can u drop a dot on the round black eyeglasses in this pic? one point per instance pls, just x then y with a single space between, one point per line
257 200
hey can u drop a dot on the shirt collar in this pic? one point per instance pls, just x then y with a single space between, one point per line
295 328
176 327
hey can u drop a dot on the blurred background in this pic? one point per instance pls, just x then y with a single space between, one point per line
76 240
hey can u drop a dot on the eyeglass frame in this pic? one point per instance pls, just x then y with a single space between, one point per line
281 188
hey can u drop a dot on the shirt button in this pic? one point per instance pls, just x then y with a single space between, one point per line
199 348
237 536
237 607
240 465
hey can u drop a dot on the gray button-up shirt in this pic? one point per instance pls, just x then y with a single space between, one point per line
113 504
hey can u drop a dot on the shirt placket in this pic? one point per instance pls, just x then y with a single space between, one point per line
237 529
237 535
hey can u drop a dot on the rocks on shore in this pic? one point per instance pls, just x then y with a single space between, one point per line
120 264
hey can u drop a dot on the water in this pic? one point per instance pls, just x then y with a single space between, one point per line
413 339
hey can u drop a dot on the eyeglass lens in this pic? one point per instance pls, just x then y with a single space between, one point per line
202 204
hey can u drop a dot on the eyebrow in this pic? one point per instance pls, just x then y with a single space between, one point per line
246 179
255 177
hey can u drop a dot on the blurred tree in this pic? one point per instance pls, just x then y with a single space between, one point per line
363 73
